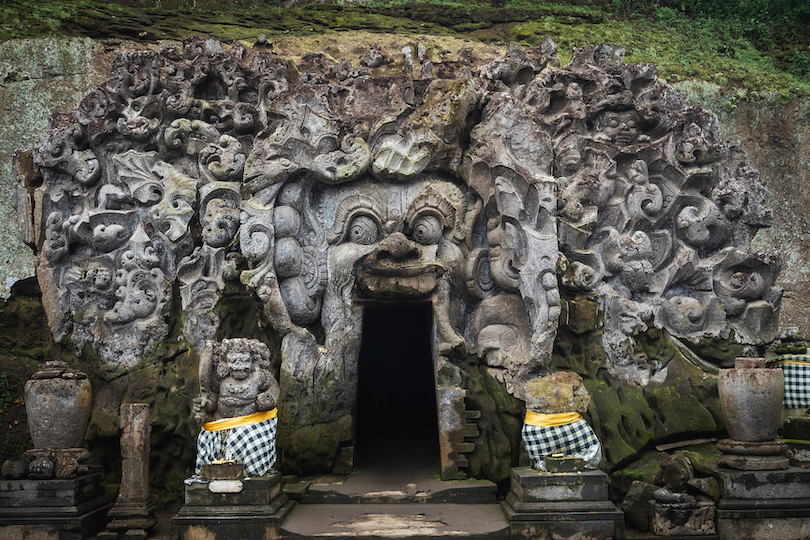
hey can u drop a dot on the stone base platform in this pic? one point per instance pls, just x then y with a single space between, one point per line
65 509
244 509
414 521
764 505
561 505
359 489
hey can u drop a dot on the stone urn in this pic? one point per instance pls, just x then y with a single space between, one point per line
751 399
57 402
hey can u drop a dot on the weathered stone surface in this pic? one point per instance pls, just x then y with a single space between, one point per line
678 472
57 402
352 188
559 393
753 463
683 519
774 134
636 504
15 469
752 448
764 504
797 427
255 490
561 505
708 486
534 486
133 513
793 483
751 397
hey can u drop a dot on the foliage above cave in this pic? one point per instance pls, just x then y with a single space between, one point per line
754 45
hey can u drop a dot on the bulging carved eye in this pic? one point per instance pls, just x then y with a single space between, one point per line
363 230
427 230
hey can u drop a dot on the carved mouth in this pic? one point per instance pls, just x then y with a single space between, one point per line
623 139
395 281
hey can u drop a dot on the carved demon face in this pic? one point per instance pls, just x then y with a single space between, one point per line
400 237
620 127
219 223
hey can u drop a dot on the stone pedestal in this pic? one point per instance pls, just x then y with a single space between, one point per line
246 508
133 513
764 505
561 505
66 509
753 456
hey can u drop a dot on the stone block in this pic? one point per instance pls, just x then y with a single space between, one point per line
74 492
245 522
765 505
764 528
789 484
55 522
561 505
255 490
532 485
560 530
636 504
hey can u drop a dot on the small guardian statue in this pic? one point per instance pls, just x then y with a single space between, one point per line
554 426
237 403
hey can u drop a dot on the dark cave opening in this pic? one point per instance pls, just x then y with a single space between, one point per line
396 390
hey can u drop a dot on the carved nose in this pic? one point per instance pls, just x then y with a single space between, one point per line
397 247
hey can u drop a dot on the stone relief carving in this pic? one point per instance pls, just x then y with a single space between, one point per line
497 192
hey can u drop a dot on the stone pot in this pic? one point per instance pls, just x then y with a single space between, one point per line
751 399
57 402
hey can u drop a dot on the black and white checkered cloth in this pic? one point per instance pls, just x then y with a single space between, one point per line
253 446
796 369
569 439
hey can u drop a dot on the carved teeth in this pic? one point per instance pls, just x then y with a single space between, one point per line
398 286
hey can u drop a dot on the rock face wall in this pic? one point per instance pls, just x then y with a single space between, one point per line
524 201
38 77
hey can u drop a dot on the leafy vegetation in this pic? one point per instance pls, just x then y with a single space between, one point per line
759 45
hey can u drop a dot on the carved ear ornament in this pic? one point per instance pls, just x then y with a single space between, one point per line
449 209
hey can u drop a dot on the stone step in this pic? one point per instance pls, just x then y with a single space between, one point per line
381 521
416 492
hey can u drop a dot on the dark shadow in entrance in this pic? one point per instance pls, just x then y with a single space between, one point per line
397 425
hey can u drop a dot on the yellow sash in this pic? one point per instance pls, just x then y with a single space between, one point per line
794 362
239 421
549 420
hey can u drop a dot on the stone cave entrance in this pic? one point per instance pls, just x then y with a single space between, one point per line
397 423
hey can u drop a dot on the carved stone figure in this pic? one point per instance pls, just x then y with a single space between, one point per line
237 402
554 425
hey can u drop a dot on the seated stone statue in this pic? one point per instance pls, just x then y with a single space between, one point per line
237 402
554 424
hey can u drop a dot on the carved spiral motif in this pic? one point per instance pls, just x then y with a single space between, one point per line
427 230
479 274
363 230
314 270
